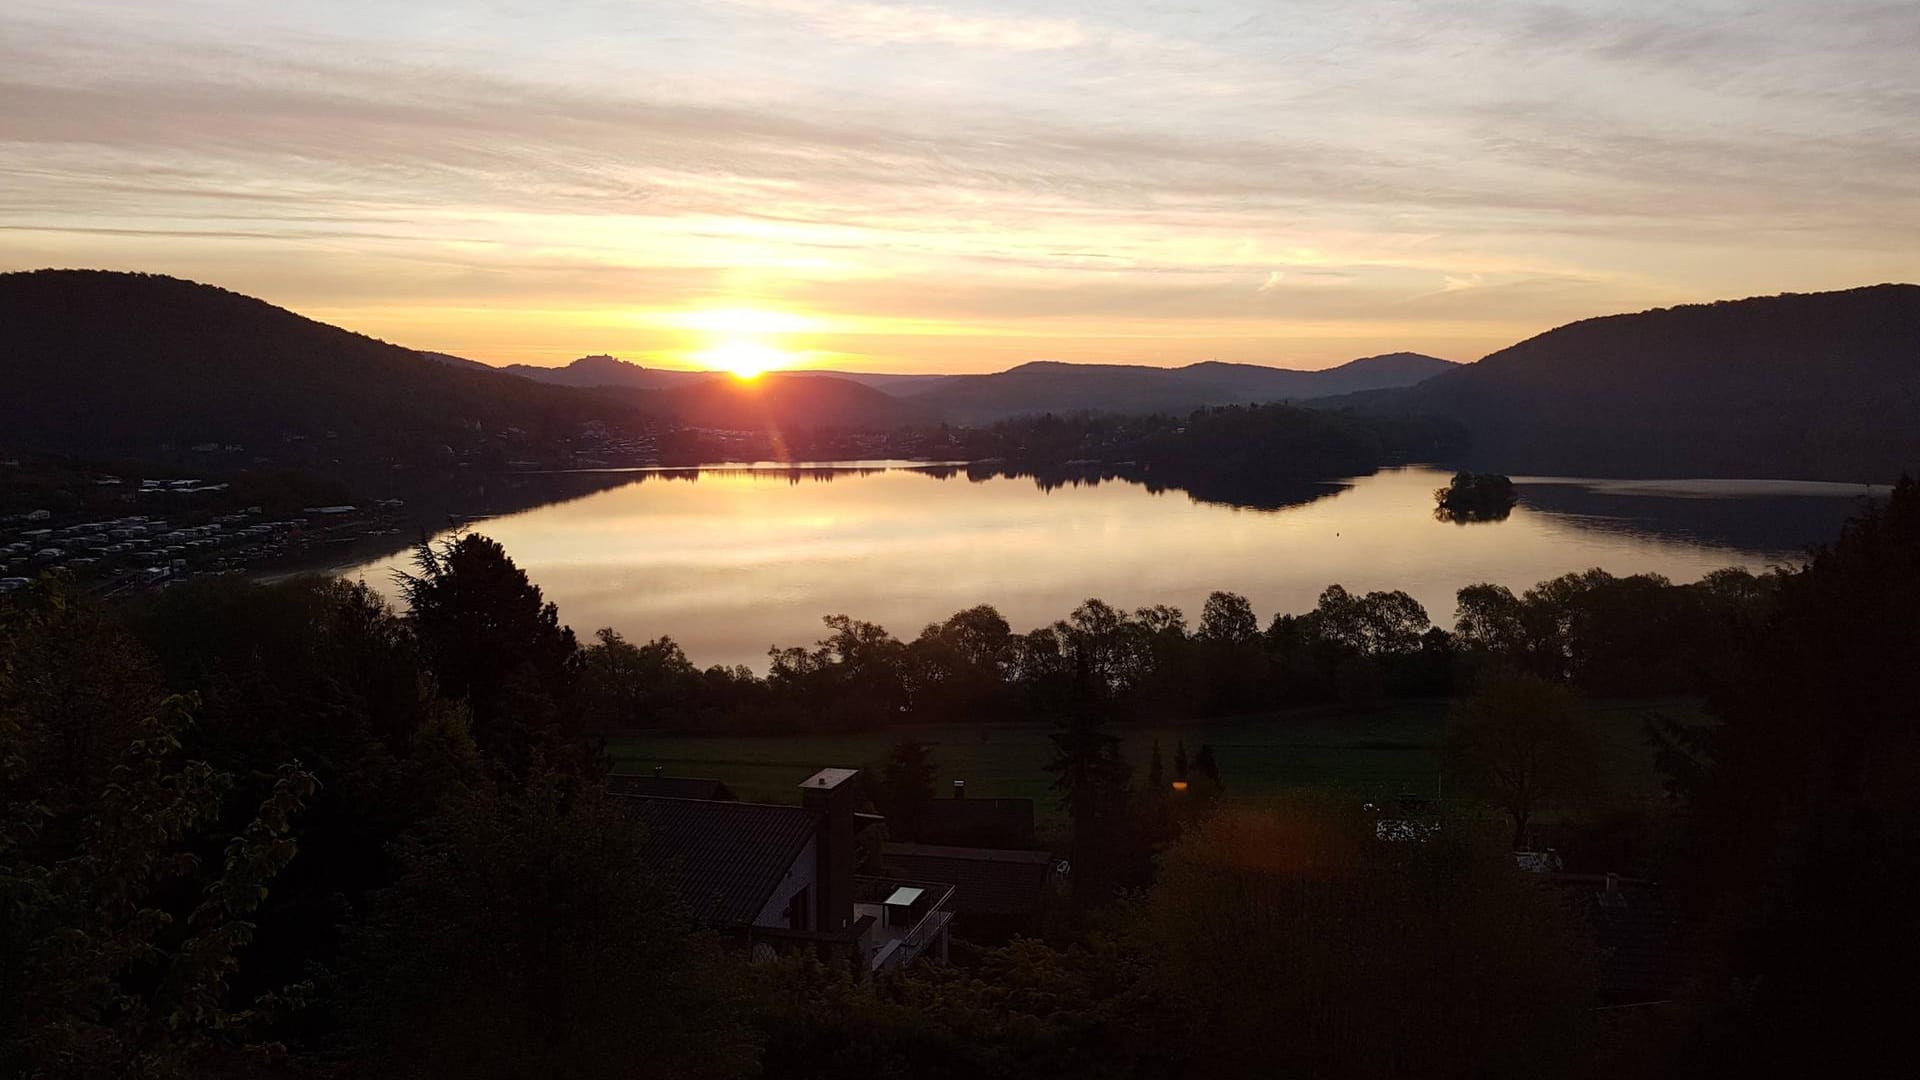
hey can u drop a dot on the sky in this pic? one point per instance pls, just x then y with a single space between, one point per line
952 187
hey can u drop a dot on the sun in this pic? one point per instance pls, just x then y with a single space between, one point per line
744 358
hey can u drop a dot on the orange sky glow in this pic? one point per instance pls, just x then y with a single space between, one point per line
881 186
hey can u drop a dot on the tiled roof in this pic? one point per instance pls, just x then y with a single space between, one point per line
729 855
668 787
985 881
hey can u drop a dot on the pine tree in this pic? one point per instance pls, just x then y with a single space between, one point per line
1094 782
1204 764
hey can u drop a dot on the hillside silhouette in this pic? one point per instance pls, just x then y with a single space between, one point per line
1053 386
1799 386
785 400
602 371
143 365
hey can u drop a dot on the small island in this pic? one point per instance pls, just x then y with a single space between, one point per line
1475 497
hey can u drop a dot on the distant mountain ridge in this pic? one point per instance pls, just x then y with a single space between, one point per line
1054 386
1796 386
1035 387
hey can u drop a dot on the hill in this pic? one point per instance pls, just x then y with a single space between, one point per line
772 402
1798 386
145 365
601 371
1052 386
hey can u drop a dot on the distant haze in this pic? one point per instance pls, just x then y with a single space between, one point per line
963 187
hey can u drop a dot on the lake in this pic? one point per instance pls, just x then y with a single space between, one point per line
731 560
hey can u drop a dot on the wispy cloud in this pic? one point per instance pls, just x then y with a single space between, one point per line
914 24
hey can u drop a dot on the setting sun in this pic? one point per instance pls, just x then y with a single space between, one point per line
744 359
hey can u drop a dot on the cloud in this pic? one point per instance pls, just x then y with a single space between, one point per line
913 24
1066 173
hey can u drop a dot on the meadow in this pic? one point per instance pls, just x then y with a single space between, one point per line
1366 752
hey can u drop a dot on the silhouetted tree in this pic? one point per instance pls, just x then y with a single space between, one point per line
1521 742
1093 781
530 933
907 787
1204 764
117 949
1415 959
1228 619
491 639
1806 817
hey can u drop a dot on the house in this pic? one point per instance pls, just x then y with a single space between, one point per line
776 878
990 823
996 893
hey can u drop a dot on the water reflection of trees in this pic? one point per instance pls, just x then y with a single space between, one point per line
1238 492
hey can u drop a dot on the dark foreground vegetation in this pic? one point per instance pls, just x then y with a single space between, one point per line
288 831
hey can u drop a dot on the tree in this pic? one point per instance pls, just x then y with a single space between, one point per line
1228 619
1093 780
1432 959
118 949
628 687
907 787
1379 624
1522 743
490 638
1806 815
531 934
77 684
1204 764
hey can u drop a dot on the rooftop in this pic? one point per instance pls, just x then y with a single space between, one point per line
986 881
730 855
670 787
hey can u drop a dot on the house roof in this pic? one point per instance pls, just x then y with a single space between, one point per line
986 881
670 787
969 816
730 856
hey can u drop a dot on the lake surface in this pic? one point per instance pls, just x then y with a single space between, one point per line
731 560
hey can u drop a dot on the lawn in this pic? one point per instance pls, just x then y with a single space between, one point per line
1368 752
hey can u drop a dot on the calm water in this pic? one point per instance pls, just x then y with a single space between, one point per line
730 561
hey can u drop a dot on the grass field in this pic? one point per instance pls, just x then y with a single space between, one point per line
1370 753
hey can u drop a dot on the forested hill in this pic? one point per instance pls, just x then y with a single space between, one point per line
1800 386
96 362
147 366
1050 386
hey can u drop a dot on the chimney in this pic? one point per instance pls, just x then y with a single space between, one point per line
829 795
959 789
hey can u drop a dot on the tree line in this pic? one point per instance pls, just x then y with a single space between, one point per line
1606 635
